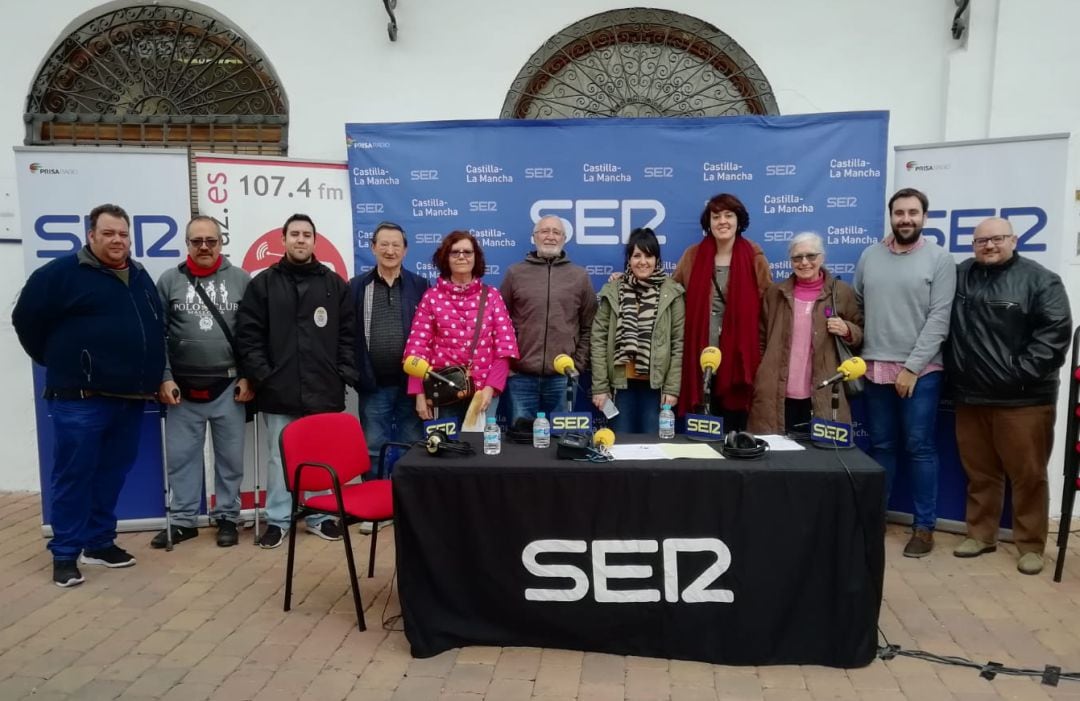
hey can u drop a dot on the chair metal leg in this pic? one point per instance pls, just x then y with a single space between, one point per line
371 556
352 575
292 551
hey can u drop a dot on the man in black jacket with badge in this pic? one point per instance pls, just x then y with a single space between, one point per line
295 330
1009 334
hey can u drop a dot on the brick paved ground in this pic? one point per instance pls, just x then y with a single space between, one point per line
206 623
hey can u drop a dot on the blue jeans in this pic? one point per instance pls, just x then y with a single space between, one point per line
97 441
278 496
907 425
383 411
528 394
639 409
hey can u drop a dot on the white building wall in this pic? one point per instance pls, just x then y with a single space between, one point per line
454 59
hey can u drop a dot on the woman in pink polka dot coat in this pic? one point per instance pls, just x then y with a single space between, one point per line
445 321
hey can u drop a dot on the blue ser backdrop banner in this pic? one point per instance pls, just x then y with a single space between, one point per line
823 173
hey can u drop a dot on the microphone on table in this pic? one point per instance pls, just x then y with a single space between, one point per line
604 437
851 369
415 366
564 365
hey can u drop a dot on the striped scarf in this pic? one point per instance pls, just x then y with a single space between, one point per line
638 303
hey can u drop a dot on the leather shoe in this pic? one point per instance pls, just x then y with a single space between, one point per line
970 547
1030 563
921 543
226 533
179 535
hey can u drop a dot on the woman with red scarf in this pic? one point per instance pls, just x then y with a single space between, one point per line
725 276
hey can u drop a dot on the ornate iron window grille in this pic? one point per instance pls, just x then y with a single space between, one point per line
157 75
639 63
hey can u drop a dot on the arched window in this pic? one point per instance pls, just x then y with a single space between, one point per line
158 75
639 63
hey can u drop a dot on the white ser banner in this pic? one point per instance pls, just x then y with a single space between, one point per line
1022 180
252 196
59 186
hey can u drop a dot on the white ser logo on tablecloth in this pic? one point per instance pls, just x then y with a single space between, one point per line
696 592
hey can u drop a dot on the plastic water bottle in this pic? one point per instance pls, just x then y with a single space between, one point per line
667 423
492 437
541 431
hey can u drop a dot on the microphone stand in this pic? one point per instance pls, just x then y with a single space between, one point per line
571 393
706 399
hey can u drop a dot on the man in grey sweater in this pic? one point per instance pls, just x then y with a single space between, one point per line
905 286
201 383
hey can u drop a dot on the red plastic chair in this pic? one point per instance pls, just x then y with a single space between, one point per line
326 452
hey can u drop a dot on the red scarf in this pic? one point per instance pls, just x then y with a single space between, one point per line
739 346
195 270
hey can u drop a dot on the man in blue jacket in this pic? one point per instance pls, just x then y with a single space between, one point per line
94 320
385 299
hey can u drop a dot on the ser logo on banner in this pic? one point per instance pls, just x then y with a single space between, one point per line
151 235
1027 223
598 215
696 592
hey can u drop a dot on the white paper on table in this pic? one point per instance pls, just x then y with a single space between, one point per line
694 451
781 443
638 451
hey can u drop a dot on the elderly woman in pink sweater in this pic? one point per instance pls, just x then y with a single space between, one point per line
445 324
800 320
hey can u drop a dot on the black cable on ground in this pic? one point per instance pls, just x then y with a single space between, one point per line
1049 675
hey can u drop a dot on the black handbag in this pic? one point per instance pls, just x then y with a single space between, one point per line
852 388
440 393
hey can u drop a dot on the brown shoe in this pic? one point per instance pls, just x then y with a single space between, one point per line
921 543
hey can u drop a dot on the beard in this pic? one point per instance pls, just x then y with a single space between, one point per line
907 239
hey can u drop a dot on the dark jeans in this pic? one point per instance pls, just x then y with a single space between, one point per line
528 394
388 414
639 409
907 426
97 441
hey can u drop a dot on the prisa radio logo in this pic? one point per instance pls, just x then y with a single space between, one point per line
365 143
38 169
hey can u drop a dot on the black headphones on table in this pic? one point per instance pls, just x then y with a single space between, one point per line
743 445
438 443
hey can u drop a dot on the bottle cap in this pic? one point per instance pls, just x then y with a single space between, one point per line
541 415
666 407
491 419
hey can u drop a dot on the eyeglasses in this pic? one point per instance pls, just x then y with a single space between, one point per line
199 243
984 241
549 230
808 257
461 254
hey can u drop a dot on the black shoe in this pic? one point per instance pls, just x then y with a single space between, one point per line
111 556
179 535
65 573
226 533
272 537
327 530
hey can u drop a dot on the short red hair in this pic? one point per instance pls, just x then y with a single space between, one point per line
441 257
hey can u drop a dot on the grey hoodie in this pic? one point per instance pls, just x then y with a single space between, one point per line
197 347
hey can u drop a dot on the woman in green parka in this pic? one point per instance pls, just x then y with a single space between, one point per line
637 339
